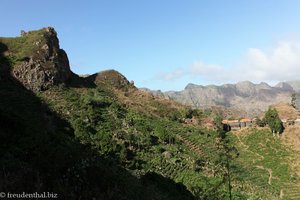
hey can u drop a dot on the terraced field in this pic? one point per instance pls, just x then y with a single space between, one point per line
268 173
268 160
171 170
261 171
291 191
194 147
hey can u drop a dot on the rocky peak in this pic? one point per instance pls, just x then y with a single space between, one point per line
245 88
284 86
245 85
37 60
263 85
191 86
111 77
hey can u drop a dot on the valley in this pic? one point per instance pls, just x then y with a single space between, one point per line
100 137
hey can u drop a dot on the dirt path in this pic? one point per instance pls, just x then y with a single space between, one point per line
291 138
247 146
270 176
281 194
270 173
260 157
242 143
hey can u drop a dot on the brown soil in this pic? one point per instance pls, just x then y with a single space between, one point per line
291 137
286 111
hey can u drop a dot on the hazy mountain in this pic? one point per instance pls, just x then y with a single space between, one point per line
245 95
295 84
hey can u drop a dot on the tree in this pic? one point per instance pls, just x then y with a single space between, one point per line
220 126
260 122
278 126
273 120
190 113
227 154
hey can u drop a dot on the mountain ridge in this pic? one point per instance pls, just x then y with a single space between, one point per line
245 95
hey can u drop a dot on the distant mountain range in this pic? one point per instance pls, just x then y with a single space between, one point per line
245 96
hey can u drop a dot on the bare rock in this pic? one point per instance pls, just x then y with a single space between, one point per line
167 154
110 77
46 65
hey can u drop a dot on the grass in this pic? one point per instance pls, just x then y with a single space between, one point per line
24 47
261 153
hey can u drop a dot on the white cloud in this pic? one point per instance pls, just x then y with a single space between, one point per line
199 68
281 63
277 64
178 73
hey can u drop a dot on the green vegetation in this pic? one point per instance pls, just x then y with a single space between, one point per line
172 160
21 48
260 122
40 153
273 120
266 162
108 140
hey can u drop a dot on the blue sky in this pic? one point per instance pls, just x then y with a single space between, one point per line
168 44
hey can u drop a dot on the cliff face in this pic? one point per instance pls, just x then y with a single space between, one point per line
36 59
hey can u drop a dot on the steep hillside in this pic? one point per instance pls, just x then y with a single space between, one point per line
286 111
272 164
246 96
100 137
44 149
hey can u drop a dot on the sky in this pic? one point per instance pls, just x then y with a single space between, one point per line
166 44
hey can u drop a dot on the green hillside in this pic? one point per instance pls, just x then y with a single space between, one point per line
268 162
100 137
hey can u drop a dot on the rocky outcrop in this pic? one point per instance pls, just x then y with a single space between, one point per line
40 63
157 93
112 78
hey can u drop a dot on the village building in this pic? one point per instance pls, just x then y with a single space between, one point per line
191 121
290 122
283 121
229 125
208 123
287 122
245 122
297 122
